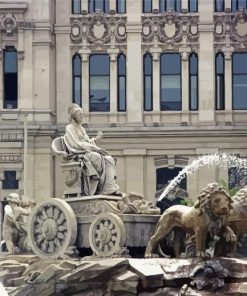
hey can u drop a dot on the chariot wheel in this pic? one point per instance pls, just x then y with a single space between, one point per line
107 235
52 228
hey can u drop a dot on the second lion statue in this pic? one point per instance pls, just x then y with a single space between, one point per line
209 216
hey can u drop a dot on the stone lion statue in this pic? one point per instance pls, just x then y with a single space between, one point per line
207 217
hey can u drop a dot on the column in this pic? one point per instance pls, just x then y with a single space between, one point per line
85 86
156 4
156 87
206 63
113 5
113 89
84 5
134 63
185 4
185 88
228 4
228 84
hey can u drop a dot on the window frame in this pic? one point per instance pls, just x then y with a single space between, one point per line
143 6
189 4
237 5
109 79
94 9
76 76
216 85
118 83
175 5
144 82
4 187
215 6
117 7
197 80
72 7
174 53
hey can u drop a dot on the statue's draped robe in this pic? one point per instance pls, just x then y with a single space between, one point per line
98 170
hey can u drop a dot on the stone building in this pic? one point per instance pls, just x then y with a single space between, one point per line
166 82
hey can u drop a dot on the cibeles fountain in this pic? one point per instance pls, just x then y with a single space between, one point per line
97 240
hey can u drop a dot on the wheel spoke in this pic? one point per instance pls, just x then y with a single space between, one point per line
49 212
57 242
61 228
44 215
56 213
60 235
60 219
44 246
51 247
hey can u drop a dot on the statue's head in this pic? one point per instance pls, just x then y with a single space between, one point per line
215 199
14 198
75 113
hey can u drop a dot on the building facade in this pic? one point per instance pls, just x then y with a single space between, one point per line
165 81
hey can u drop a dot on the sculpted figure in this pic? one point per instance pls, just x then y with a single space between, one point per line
97 165
13 225
208 216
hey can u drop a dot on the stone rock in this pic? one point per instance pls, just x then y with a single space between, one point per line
49 273
126 281
27 259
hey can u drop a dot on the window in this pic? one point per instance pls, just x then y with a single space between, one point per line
193 5
219 5
239 4
10 181
99 80
148 82
239 81
76 6
147 5
121 6
10 78
237 177
170 81
76 65
219 82
121 63
193 81
170 5
98 4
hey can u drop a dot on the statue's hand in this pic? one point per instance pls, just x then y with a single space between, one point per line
64 155
99 135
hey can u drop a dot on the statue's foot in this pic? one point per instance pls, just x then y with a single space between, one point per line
151 255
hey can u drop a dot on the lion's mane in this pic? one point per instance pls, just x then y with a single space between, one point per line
241 196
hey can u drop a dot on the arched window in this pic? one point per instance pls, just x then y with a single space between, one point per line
76 72
99 82
98 4
193 80
76 6
174 5
121 6
170 81
148 82
147 5
239 81
121 82
10 73
219 82
219 5
193 5
239 4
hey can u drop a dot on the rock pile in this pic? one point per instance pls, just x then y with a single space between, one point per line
29 276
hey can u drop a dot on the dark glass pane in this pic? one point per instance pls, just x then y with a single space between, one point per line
76 6
220 63
10 91
121 94
121 6
193 93
219 5
148 93
170 63
239 92
178 5
10 61
99 93
99 4
193 5
147 5
170 4
171 92
193 64
165 175
90 6
162 5
10 181
77 91
234 5
239 63
106 8
148 64
121 65
99 64
220 90
77 65
241 4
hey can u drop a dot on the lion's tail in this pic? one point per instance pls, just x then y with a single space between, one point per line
161 253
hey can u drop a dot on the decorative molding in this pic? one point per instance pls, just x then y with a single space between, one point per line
10 158
230 30
9 24
98 31
170 30
11 137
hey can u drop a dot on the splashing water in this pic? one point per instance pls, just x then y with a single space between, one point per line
224 160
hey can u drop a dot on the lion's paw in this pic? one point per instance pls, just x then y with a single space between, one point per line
151 255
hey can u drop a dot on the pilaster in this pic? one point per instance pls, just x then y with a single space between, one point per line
113 89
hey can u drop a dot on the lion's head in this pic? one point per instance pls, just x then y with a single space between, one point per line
215 199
